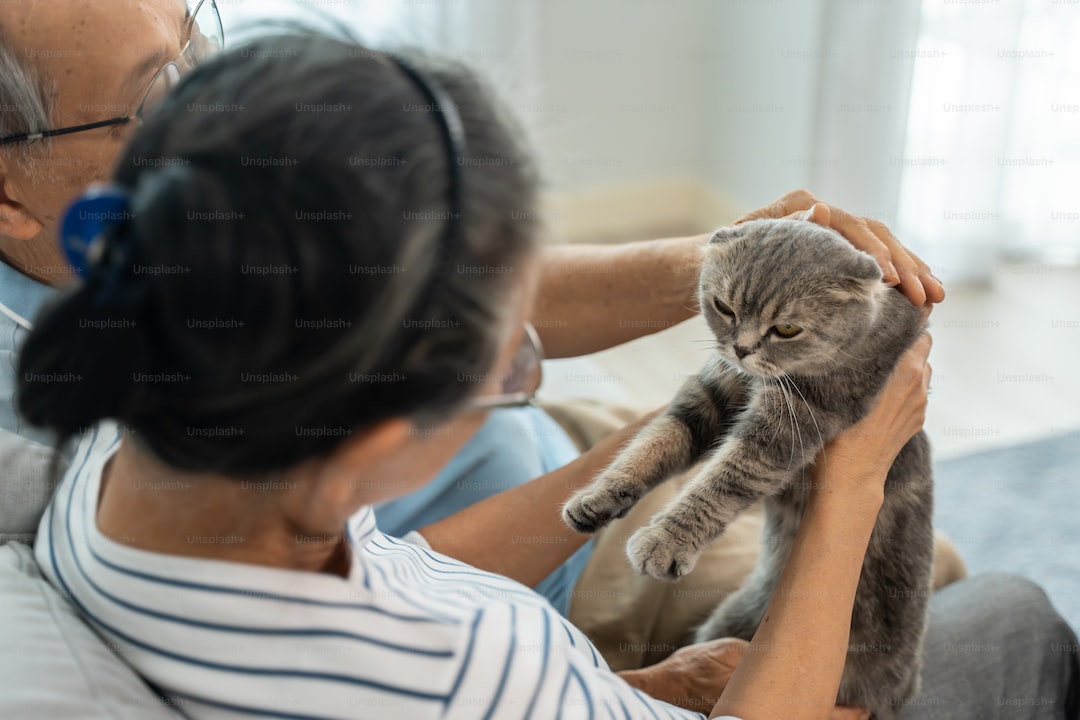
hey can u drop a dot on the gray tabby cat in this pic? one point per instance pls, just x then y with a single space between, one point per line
807 335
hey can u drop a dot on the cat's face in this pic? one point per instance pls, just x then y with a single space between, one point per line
787 297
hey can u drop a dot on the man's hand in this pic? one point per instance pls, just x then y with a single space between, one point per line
899 265
694 676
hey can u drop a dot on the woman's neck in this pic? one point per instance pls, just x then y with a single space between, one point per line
150 506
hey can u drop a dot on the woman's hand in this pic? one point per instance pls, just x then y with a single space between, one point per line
694 676
900 266
860 457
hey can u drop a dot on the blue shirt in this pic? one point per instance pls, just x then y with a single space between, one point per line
20 300
26 454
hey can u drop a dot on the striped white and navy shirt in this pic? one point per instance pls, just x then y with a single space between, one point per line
409 634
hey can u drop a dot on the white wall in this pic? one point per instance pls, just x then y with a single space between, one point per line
761 97
612 88
626 81
752 98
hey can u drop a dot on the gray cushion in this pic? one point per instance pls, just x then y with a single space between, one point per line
25 486
52 665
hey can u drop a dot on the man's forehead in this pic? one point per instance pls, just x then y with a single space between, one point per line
107 45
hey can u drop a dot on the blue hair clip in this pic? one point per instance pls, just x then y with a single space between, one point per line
82 231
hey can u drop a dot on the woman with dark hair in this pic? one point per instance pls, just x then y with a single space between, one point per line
305 289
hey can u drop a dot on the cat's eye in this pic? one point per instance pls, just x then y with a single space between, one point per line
785 330
721 307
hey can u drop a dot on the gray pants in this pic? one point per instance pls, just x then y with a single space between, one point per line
997 648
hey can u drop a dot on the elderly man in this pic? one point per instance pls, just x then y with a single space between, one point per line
75 77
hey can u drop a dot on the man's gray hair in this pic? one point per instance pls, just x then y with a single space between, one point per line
24 99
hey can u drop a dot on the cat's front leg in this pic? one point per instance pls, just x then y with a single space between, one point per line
741 473
664 446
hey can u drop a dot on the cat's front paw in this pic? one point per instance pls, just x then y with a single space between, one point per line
595 507
656 551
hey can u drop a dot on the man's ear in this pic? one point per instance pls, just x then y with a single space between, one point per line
16 220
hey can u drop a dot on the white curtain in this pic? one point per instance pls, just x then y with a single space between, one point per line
992 161
862 100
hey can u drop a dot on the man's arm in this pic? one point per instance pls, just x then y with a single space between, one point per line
593 297
520 533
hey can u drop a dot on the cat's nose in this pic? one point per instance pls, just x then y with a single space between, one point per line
741 352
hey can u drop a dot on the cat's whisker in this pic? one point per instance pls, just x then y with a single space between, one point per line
810 410
798 425
846 366
796 432
789 384
861 360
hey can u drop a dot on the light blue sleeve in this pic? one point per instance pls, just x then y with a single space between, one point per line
511 448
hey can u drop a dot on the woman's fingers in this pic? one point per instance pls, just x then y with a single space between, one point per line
922 346
900 410
916 370
860 457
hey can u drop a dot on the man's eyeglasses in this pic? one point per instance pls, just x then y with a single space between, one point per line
203 36
518 385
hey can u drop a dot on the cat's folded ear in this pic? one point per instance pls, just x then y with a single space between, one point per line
726 234
858 278
863 267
